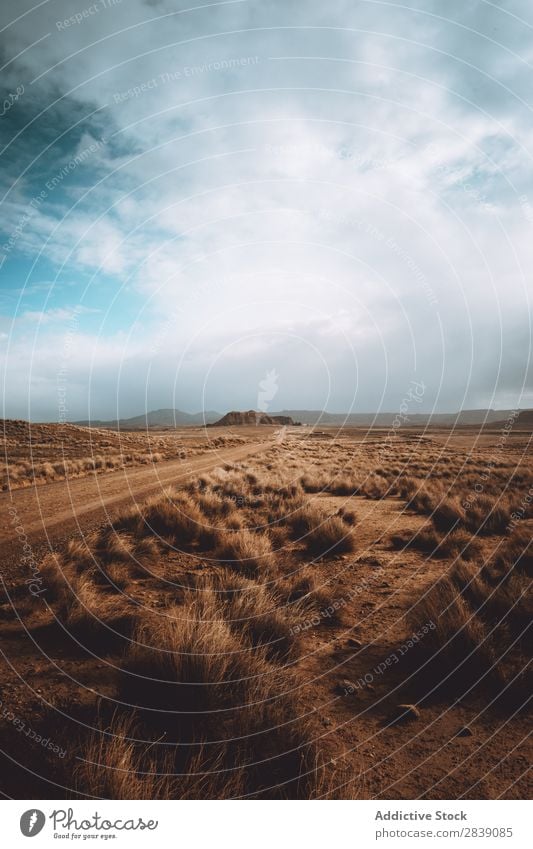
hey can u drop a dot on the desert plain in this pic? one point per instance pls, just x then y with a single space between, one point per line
266 612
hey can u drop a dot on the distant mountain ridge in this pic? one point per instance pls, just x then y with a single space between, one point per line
168 417
386 419
525 417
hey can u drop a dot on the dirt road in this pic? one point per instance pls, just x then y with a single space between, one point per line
46 516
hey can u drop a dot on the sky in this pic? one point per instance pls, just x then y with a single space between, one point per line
200 200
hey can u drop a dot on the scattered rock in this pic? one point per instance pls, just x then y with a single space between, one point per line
352 641
404 713
345 687
465 731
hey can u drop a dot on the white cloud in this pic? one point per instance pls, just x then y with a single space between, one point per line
360 178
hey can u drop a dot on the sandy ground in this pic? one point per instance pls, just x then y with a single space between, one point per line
421 759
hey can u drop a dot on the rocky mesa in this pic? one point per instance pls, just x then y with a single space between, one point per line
251 417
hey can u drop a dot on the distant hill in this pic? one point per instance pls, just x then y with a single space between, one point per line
250 417
464 417
168 417
523 420
525 417
158 418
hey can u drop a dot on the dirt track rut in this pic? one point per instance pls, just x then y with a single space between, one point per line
46 516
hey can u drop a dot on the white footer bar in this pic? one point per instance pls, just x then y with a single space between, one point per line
269 825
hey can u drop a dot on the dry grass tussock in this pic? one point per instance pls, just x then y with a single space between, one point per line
483 625
363 482
321 534
264 499
247 552
173 517
203 520
17 475
83 585
375 486
456 543
201 679
458 507
304 596
218 513
344 484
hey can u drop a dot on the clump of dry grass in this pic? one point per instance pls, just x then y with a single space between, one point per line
448 514
299 515
230 726
173 517
508 574
456 652
515 555
348 516
459 506
115 766
215 507
375 487
342 484
331 537
408 486
245 552
322 535
83 585
176 518
120 762
425 497
313 484
482 622
250 610
15 475
489 515
345 485
78 601
303 597
456 543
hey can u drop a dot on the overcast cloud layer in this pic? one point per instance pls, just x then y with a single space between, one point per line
337 193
